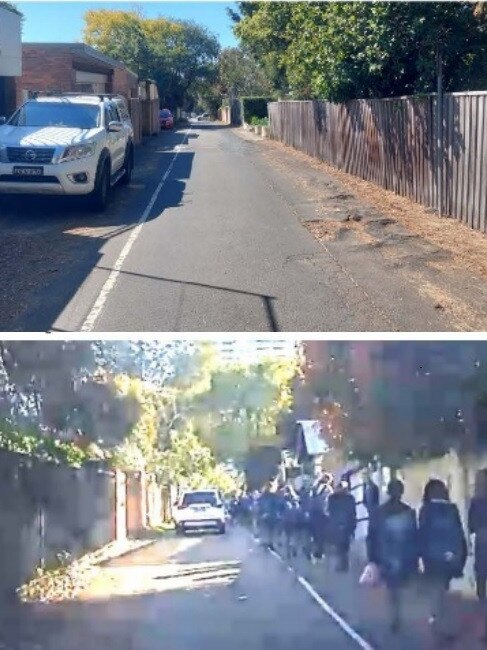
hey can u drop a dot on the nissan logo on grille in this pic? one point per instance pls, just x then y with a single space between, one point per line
30 155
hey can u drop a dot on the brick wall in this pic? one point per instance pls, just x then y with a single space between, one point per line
124 83
45 69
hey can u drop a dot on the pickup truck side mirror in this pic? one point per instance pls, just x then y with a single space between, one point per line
3 120
115 127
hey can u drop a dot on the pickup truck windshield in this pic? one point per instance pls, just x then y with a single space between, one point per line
78 116
195 498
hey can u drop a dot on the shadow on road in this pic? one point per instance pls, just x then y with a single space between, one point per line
49 245
208 126
267 301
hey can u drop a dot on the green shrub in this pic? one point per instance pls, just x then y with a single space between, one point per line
254 107
259 121
33 443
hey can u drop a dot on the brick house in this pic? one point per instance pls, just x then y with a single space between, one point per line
10 56
72 67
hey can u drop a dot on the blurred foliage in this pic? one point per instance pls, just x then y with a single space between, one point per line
32 443
167 408
412 399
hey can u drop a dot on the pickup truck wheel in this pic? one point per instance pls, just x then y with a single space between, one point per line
222 529
128 165
100 195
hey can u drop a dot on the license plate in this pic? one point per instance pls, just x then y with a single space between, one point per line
28 171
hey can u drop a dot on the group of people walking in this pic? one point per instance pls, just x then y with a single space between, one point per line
432 544
319 521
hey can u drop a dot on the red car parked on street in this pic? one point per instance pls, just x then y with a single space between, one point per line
166 119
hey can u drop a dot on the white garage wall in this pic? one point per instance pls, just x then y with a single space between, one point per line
10 44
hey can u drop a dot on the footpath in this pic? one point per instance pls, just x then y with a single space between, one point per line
365 609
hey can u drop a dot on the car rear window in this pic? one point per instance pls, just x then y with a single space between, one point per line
69 115
165 113
193 498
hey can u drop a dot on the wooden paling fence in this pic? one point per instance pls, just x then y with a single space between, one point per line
435 157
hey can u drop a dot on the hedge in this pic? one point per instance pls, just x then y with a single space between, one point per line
254 107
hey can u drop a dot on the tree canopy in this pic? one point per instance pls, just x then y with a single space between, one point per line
425 409
239 74
180 56
341 51
168 408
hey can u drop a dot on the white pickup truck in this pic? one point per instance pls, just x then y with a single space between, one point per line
67 145
200 510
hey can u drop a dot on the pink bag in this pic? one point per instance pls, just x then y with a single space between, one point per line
370 576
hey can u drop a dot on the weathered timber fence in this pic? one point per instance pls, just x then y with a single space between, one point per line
393 143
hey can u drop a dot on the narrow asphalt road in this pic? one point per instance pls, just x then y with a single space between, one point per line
204 593
218 592
211 236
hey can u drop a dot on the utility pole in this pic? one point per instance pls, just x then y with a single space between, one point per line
439 131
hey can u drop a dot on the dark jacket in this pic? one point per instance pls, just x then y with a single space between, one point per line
319 502
392 542
305 504
442 543
270 505
371 495
342 517
477 525
291 511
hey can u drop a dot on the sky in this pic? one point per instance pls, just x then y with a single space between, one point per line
62 22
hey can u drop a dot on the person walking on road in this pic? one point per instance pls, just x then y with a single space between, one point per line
319 515
392 545
443 551
304 520
255 512
291 521
371 496
269 506
477 526
342 522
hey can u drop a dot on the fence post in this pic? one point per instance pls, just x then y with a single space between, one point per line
42 534
439 133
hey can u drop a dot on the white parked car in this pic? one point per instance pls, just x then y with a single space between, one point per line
67 145
200 510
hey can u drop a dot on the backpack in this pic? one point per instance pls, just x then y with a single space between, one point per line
397 544
445 543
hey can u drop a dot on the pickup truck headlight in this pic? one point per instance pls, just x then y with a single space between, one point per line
78 151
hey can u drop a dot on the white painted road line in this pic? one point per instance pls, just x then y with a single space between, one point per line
362 643
100 302
349 631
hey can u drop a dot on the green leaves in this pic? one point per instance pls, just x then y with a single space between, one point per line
32 443
341 51
177 55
